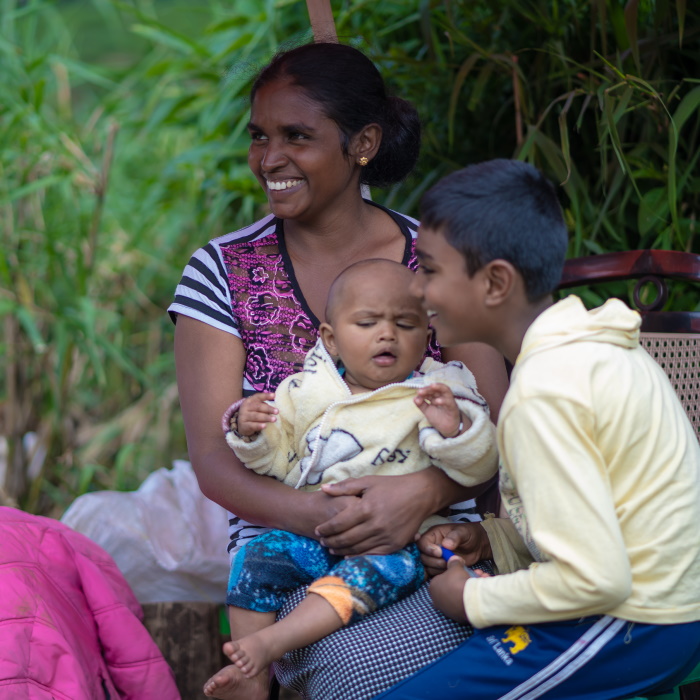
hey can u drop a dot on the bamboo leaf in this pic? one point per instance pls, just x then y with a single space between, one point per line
689 105
31 328
160 34
42 183
681 10
564 136
653 210
631 12
81 70
461 76
480 86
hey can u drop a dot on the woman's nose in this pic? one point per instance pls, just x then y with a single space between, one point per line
273 157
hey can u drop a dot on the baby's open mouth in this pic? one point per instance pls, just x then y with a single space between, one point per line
385 358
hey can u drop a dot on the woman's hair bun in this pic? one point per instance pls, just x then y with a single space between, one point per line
398 153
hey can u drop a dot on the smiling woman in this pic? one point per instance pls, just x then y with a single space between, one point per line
248 309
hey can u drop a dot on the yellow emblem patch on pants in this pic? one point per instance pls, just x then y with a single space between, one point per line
517 636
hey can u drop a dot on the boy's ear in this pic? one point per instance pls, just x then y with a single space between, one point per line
500 280
325 330
365 143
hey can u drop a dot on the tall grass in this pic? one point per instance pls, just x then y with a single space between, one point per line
603 95
122 148
111 173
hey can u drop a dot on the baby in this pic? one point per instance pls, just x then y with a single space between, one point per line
357 408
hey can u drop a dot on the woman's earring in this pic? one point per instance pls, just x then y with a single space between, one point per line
363 161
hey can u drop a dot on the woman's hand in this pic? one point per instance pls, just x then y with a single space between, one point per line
467 540
384 516
438 405
326 508
254 414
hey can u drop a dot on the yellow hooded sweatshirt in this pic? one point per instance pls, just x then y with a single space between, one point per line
600 474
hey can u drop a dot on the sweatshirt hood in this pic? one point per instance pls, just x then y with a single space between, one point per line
568 321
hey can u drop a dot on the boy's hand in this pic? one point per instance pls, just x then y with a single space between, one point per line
440 408
467 540
254 414
447 588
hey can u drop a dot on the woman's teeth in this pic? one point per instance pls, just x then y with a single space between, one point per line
282 184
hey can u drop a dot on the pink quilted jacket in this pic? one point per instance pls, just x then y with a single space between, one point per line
69 624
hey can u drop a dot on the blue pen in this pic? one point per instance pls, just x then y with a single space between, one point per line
448 553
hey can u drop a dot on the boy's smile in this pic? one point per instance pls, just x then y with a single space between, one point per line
449 295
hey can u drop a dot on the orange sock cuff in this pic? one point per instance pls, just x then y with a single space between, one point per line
337 593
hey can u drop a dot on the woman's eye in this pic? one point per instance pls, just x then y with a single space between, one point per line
297 136
256 136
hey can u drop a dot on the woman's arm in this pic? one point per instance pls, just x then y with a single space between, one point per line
209 364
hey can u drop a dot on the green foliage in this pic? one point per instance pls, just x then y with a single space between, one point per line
123 148
604 96
112 172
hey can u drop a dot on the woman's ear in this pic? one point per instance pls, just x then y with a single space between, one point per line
325 330
500 280
365 143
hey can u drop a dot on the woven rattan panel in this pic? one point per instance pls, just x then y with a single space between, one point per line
679 355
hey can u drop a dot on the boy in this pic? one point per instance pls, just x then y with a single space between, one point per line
599 473
357 408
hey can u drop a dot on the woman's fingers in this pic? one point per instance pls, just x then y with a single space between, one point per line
347 487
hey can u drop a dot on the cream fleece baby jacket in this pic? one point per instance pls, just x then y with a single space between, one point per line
324 434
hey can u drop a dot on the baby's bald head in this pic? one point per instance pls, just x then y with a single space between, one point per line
384 277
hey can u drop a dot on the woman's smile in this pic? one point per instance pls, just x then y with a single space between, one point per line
283 185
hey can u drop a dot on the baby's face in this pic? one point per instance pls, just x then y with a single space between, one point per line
379 331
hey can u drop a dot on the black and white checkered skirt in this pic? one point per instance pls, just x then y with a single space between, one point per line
362 660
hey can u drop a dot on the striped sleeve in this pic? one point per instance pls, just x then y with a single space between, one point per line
203 292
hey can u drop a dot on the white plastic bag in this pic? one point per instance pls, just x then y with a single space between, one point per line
167 538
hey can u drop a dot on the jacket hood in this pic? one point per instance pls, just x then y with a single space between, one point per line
568 321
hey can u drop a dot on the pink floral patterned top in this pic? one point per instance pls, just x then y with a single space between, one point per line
244 283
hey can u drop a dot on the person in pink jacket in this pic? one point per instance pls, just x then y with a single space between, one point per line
70 626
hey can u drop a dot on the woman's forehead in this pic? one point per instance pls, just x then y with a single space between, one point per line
285 90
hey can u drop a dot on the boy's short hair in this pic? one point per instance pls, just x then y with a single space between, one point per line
502 209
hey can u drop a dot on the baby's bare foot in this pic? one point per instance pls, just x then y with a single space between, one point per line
230 684
251 654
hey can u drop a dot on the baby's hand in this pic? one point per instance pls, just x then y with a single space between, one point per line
254 414
440 408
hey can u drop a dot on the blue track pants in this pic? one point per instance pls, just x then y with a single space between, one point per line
592 658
